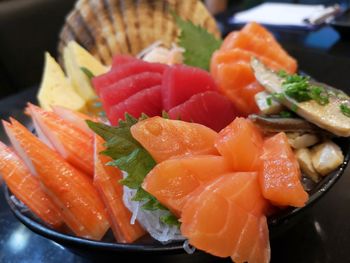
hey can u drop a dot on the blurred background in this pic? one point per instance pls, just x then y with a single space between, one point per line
30 27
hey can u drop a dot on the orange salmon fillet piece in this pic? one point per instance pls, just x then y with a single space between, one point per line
164 138
230 65
241 144
221 218
172 181
255 38
280 173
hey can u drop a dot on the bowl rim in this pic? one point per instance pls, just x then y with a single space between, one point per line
52 234
284 216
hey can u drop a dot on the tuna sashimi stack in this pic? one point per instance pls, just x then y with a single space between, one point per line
134 86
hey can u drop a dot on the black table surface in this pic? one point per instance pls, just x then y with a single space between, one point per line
322 234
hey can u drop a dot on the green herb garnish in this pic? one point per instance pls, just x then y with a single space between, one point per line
129 156
282 73
87 72
170 220
198 43
165 115
285 114
345 109
299 88
269 101
278 96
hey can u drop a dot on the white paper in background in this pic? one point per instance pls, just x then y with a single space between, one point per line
280 14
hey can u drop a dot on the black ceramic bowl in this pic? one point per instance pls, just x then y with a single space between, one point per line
147 247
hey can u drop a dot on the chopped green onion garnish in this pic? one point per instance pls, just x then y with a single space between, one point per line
294 108
282 73
285 114
269 101
299 88
345 110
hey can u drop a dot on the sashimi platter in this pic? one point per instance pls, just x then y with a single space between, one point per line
149 123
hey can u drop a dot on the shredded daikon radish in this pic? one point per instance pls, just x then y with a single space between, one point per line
18 203
150 220
188 248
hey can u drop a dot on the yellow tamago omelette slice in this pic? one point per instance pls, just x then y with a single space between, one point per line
55 88
75 57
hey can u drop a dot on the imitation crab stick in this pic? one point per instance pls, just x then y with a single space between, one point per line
74 117
26 187
74 145
71 190
106 180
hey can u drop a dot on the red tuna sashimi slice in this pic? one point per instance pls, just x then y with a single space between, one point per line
148 101
126 87
180 82
119 60
123 71
221 218
208 108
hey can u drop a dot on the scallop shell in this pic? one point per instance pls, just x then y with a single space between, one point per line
108 27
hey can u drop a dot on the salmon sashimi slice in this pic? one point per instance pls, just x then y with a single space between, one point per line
26 187
106 181
249 93
264 47
237 54
74 145
164 138
76 118
261 251
172 181
220 218
258 31
280 173
70 190
255 32
241 88
241 144
233 80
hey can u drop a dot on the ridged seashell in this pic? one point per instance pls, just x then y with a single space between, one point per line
108 27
